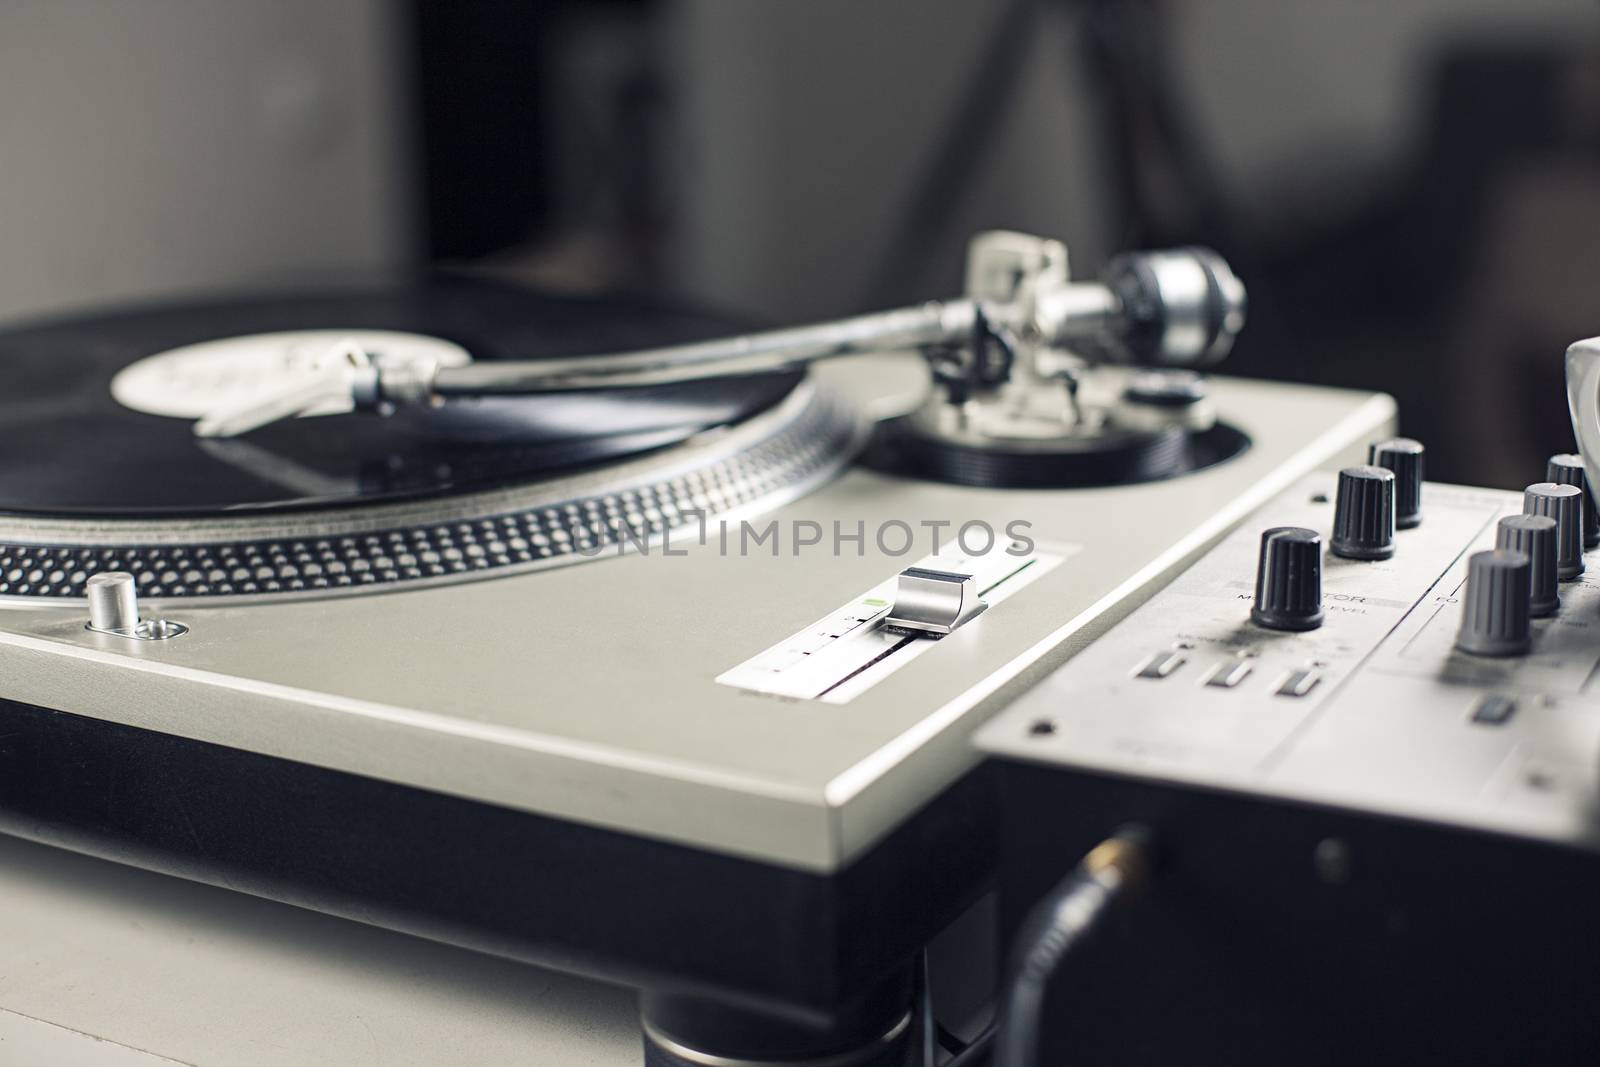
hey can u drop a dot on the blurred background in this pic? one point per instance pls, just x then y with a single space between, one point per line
1410 188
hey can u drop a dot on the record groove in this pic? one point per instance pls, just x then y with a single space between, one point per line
761 464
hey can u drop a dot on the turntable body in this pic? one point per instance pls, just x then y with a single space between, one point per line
498 762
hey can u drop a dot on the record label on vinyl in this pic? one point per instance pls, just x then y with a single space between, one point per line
195 380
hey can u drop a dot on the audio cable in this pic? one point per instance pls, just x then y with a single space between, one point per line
1055 926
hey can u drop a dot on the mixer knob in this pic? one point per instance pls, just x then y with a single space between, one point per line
1403 457
1567 469
1494 618
1363 514
1289 580
1535 536
1563 503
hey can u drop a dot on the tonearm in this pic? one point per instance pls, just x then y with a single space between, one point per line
1022 327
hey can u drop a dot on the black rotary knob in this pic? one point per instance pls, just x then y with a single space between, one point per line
1403 458
1363 514
1494 618
1563 503
1535 537
1567 469
1289 579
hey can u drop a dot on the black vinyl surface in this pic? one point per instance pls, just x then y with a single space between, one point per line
68 448
1115 458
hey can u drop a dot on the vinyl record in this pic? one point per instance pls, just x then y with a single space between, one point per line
69 447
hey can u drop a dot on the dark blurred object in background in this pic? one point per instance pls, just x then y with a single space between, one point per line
539 124
1460 289
484 131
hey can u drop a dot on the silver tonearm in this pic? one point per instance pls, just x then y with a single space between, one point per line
1179 308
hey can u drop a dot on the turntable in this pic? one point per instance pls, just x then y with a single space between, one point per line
659 664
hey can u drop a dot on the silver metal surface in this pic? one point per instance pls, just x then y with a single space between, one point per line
934 603
1376 710
114 609
158 630
590 694
113 601
1183 281
1006 267
933 323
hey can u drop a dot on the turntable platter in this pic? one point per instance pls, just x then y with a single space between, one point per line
69 448
332 503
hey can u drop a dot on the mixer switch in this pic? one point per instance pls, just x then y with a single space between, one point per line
1227 675
1160 665
1494 710
1299 683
